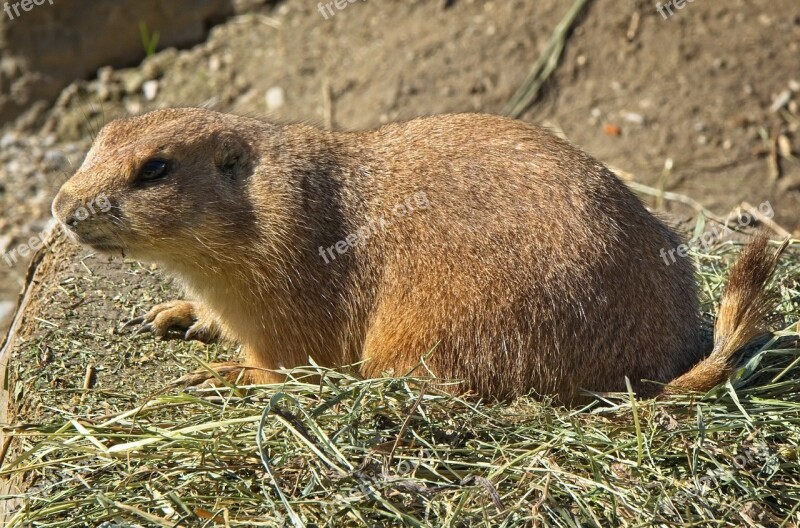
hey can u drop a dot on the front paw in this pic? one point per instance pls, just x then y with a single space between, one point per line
187 316
230 373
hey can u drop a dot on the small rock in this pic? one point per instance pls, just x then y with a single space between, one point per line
275 98
633 117
150 90
781 100
6 308
14 167
794 85
214 63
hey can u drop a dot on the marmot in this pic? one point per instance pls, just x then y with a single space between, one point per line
466 246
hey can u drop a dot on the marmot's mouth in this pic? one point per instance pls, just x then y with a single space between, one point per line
99 243
106 248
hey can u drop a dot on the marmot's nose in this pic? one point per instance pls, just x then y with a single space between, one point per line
64 208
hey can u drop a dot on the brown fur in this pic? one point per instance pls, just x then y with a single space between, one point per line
532 268
746 301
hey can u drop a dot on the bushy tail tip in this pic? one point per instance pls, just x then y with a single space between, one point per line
745 303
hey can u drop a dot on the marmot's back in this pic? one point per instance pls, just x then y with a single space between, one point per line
530 253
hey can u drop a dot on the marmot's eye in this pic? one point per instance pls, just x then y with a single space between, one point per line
153 170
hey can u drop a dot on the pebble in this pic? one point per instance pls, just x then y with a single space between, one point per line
633 117
150 90
214 63
781 100
14 167
6 309
275 98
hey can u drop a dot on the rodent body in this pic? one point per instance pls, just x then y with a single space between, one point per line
486 247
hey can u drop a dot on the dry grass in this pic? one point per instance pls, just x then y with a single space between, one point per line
350 452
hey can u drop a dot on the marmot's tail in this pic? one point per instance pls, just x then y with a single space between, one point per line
745 303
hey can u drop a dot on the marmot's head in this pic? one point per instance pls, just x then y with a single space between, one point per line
161 186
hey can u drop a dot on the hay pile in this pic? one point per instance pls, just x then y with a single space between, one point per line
350 452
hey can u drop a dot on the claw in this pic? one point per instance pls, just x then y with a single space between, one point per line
133 322
192 379
201 332
145 328
176 315
194 334
219 375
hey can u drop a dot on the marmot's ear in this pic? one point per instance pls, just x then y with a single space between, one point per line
232 156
